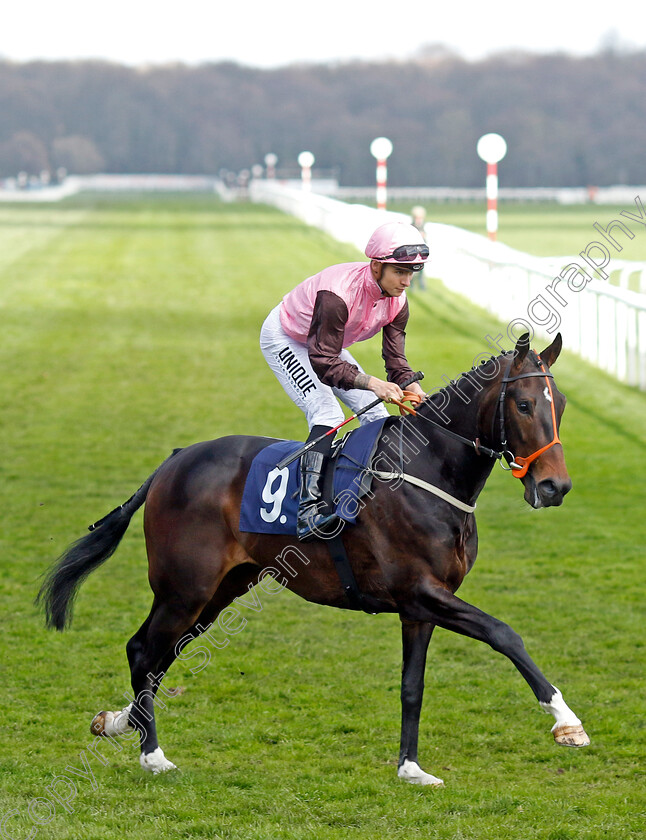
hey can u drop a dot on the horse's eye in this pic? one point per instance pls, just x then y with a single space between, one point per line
524 407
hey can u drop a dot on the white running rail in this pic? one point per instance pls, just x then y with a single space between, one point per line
605 324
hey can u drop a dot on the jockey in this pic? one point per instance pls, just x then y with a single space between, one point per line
304 341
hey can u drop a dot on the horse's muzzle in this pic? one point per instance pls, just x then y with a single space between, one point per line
550 492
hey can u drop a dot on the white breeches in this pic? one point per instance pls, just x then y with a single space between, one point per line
290 362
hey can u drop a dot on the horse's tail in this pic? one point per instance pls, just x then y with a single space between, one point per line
84 556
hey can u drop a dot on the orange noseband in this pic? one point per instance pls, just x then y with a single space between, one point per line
522 464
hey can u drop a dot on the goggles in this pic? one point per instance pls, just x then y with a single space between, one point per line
408 253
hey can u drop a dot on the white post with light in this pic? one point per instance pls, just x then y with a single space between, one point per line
492 148
270 162
306 161
381 149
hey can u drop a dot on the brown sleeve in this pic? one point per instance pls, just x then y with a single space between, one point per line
392 348
325 342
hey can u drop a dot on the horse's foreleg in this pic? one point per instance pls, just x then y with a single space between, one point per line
415 638
448 611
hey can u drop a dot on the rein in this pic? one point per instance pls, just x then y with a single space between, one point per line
474 444
517 465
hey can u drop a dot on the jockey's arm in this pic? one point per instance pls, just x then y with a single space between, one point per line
394 354
325 343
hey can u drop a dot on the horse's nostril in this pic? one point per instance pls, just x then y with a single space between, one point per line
553 490
548 487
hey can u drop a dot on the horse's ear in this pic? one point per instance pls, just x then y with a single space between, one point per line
551 353
522 346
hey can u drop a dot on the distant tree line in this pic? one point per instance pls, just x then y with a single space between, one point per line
567 121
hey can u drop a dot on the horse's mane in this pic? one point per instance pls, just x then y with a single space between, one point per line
477 376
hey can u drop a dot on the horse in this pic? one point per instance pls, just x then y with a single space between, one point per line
507 407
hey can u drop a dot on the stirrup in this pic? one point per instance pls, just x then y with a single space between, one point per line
312 525
310 521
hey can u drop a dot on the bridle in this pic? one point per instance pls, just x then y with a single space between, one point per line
517 465
520 464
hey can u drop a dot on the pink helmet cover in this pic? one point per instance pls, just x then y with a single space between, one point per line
390 236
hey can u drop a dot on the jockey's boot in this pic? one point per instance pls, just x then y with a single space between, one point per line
309 522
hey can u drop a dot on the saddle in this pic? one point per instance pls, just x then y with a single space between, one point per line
270 496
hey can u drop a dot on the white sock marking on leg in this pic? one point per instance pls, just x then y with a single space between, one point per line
563 714
413 773
116 723
156 762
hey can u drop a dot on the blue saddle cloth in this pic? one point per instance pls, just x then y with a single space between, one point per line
270 497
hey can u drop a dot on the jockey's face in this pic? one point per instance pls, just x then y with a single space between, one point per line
393 278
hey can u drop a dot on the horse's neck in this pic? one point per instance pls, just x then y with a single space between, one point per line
456 408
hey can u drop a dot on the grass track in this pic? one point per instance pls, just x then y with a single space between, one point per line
131 327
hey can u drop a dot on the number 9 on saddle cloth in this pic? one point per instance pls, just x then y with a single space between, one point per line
270 497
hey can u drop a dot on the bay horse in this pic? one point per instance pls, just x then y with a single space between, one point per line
413 542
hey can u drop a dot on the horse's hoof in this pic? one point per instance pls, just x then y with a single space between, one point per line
571 736
156 762
111 724
174 692
97 727
411 772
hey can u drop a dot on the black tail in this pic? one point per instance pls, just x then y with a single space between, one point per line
84 556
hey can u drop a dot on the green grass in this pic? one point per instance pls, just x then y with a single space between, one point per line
130 327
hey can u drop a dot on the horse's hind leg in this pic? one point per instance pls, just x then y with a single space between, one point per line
235 583
167 626
151 652
146 650
113 724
